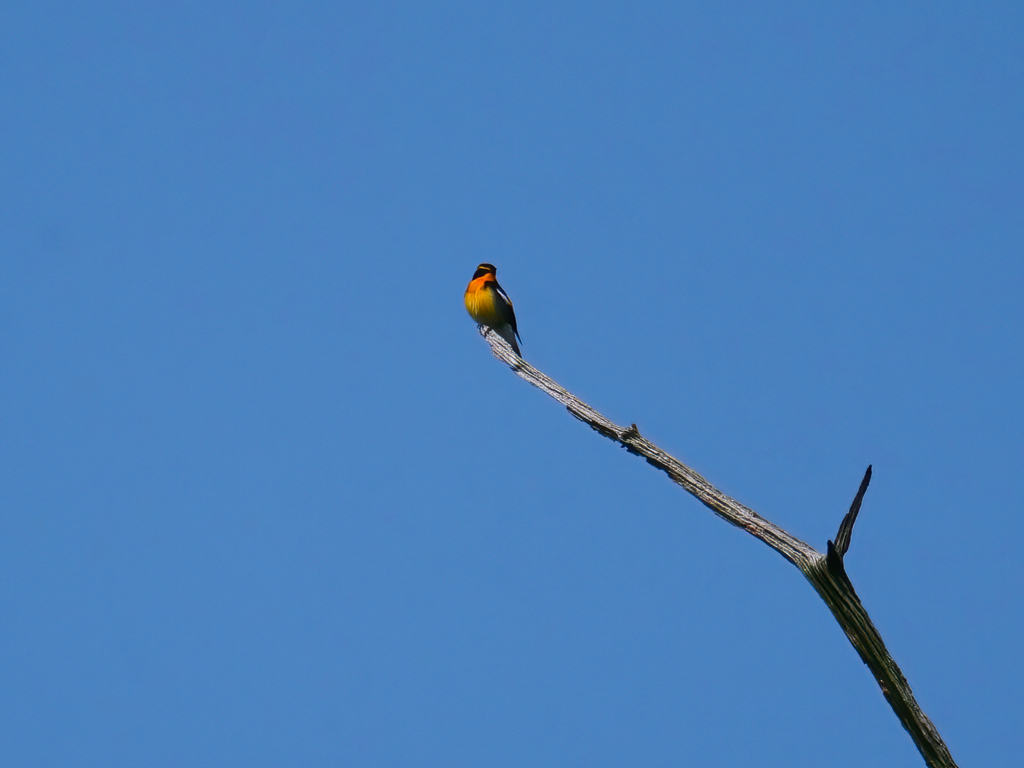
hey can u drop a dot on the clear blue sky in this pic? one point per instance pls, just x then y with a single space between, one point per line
268 500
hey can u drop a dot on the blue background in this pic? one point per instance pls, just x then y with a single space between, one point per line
267 499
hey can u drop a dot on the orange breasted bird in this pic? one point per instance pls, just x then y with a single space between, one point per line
489 305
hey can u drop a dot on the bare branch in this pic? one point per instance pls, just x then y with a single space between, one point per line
826 573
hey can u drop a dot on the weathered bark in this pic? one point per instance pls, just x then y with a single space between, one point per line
825 572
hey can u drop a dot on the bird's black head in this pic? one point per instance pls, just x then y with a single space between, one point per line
485 269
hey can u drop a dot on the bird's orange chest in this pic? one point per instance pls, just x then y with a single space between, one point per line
480 302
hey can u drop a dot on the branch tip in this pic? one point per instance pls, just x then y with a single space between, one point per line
846 526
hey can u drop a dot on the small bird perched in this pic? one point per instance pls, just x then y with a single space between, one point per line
491 306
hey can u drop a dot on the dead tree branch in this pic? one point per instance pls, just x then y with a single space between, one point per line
826 573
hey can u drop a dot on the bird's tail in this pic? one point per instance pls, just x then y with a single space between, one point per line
506 332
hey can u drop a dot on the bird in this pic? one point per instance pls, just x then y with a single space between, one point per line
489 305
